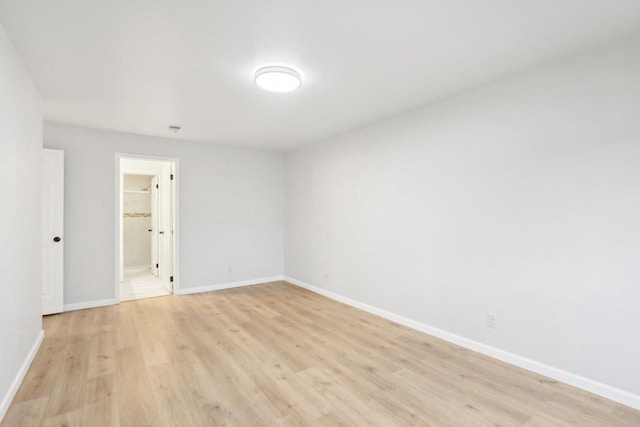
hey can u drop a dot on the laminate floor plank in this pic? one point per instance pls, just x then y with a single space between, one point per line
278 355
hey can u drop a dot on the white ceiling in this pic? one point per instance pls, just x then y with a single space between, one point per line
139 65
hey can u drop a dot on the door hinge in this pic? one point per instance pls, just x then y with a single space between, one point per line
171 279
171 177
156 265
157 186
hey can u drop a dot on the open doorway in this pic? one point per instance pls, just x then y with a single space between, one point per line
146 231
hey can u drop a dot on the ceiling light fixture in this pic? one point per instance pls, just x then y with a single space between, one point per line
278 79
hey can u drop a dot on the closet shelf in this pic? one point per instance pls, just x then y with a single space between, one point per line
137 191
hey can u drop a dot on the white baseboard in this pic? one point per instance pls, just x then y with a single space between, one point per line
17 381
90 304
230 285
187 291
595 387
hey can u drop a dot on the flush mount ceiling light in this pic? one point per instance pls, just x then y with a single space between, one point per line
278 79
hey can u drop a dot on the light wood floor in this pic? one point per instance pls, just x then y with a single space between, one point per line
275 354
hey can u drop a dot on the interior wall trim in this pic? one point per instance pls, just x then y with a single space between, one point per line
229 285
595 387
90 304
17 381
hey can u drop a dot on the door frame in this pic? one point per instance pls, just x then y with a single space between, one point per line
155 226
118 218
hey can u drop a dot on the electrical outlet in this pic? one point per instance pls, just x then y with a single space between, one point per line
230 270
326 277
19 338
492 320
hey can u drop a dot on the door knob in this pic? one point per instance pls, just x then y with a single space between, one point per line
56 239
160 232
150 230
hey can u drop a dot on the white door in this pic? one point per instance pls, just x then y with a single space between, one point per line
52 231
154 225
165 226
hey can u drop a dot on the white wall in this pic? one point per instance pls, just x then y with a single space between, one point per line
20 207
230 203
521 198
